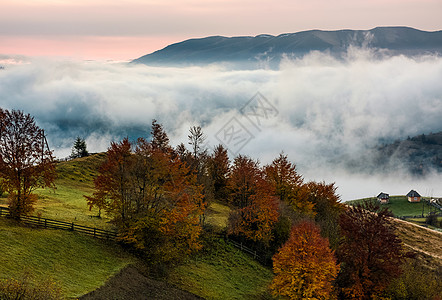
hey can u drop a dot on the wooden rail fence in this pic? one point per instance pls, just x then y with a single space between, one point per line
245 249
55 224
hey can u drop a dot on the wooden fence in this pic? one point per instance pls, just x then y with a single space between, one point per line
55 224
245 249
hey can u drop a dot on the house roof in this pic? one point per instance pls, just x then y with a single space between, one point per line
413 193
383 196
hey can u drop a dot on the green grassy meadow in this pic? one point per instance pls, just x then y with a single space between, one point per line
66 202
78 263
223 272
400 206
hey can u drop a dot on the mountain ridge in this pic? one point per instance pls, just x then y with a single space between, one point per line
420 154
253 50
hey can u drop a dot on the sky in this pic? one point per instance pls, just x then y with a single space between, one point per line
124 30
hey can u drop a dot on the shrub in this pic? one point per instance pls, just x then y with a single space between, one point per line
431 219
416 282
26 288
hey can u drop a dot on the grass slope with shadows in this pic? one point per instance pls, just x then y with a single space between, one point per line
221 271
78 263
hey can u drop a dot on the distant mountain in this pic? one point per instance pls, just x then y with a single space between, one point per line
419 155
268 49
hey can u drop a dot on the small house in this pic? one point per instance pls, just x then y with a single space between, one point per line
383 198
413 196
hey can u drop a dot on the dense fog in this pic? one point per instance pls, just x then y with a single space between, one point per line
319 110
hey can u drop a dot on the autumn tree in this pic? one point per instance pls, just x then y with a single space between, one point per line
27 287
256 208
219 171
293 203
79 149
153 197
114 186
26 162
183 154
288 185
304 267
370 252
282 174
327 208
167 226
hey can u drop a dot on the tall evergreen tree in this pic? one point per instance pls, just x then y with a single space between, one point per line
79 149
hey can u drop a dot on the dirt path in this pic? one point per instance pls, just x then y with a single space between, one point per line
129 283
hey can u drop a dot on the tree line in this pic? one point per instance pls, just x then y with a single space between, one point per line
157 195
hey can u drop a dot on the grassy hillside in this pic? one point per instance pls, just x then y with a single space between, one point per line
425 242
66 201
400 206
78 263
223 272
81 264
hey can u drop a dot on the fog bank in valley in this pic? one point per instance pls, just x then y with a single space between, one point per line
322 112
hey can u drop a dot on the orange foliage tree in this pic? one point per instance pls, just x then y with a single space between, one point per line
26 163
304 267
171 205
253 197
154 199
288 185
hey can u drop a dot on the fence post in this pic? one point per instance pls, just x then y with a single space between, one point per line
72 227
94 231
46 223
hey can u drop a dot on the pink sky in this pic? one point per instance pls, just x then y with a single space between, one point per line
127 29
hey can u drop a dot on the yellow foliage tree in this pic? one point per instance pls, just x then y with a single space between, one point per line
305 265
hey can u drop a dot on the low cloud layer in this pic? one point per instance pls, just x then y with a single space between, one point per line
320 109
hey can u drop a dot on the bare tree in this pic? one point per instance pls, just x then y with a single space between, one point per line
26 163
196 140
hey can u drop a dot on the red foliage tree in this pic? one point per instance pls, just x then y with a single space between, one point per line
114 186
305 266
370 252
26 163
